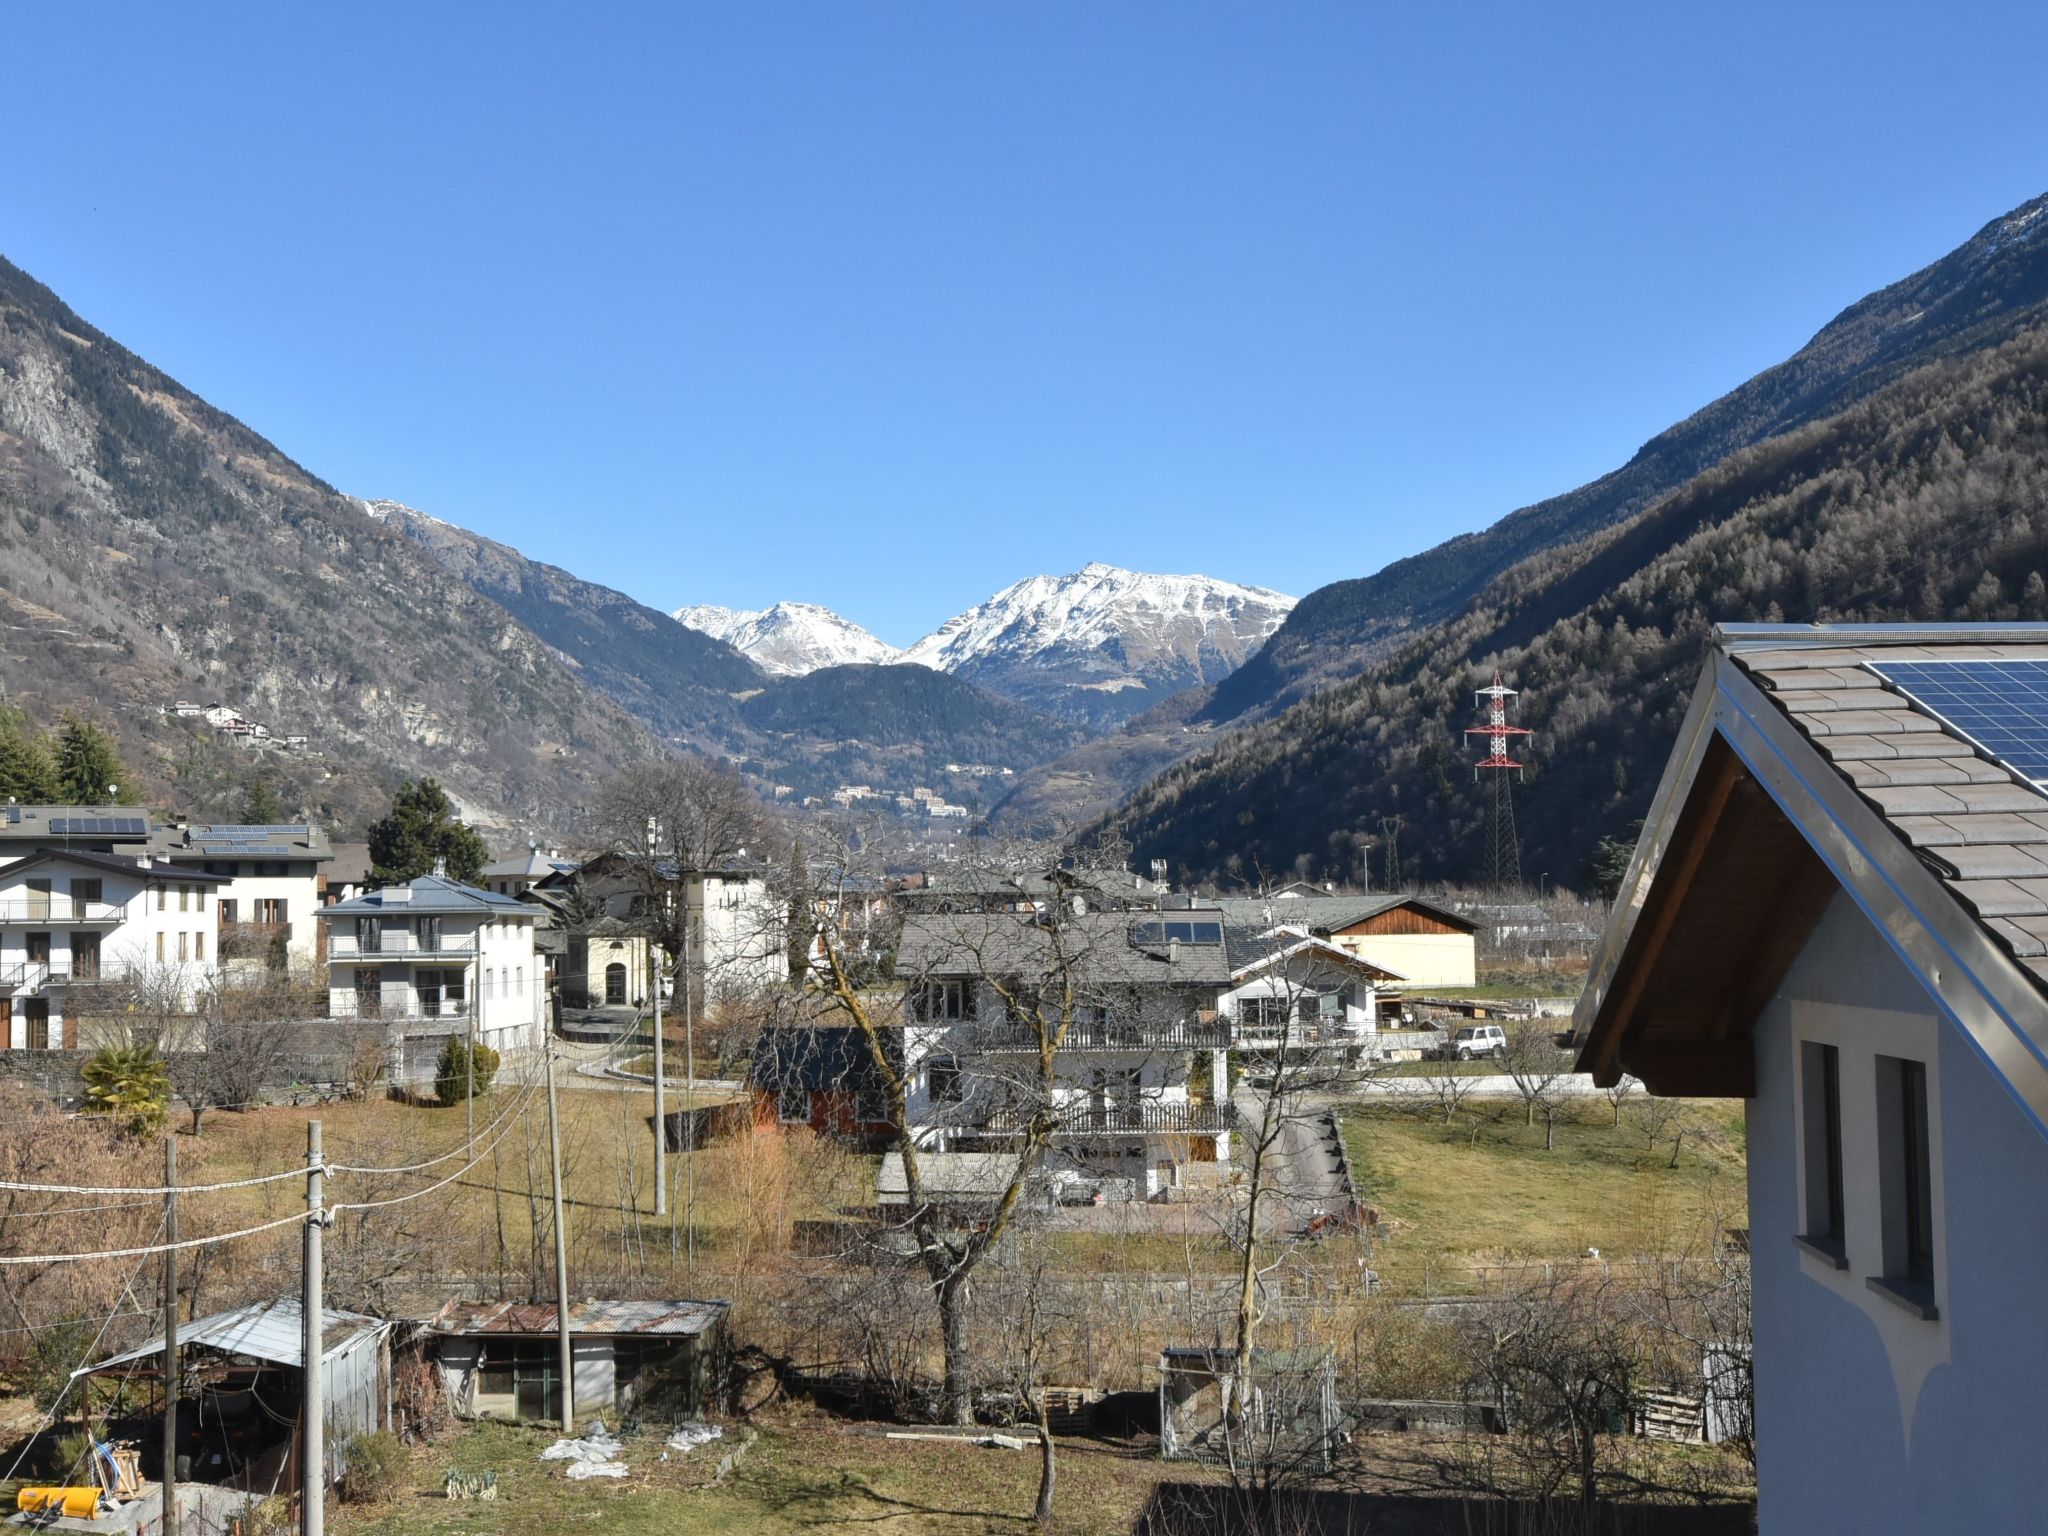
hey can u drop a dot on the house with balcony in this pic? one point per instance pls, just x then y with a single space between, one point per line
433 957
72 922
735 923
1125 1002
273 878
1292 992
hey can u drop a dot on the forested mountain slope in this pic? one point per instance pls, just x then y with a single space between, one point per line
1928 500
1973 297
153 547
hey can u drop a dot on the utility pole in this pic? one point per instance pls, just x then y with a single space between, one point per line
313 1413
660 1083
469 1080
561 1255
660 1096
170 1477
689 1105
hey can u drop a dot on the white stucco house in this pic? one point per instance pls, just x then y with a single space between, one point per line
1291 991
1838 911
71 922
434 957
272 890
1140 1088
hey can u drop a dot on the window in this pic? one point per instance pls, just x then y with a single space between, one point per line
793 1104
1820 1092
1905 1185
870 1107
227 909
946 1002
183 941
37 1010
160 947
942 1080
162 894
522 981
199 945
184 898
270 909
369 936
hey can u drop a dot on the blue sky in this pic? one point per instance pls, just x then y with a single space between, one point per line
884 306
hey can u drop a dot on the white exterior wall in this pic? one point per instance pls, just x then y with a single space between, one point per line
504 976
1870 1418
300 893
1422 959
134 913
1357 1017
736 930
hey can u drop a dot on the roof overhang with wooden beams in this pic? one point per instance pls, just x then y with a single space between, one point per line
1752 832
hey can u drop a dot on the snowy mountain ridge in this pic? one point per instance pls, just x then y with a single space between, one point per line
788 639
1098 644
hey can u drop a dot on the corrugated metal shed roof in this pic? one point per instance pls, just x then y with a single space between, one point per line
679 1318
266 1330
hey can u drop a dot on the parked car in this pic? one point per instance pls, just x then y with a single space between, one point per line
1473 1041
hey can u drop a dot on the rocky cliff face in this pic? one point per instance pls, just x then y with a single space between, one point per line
152 547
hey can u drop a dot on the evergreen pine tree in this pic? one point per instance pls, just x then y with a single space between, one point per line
420 829
260 805
27 771
87 767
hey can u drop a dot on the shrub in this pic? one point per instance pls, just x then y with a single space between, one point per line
46 1371
452 1080
131 1083
373 1467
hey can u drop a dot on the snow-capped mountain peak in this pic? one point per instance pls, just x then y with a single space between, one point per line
1078 642
788 639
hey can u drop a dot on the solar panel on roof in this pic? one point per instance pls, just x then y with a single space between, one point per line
99 826
2000 707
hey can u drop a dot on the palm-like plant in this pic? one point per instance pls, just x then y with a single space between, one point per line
131 1083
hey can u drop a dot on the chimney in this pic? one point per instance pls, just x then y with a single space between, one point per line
1173 951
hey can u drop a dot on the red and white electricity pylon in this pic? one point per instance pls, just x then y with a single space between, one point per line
1504 851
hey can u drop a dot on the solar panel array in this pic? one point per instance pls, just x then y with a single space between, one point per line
99 826
2001 707
259 840
1187 933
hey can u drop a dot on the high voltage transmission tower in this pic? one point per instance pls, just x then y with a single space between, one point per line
1504 850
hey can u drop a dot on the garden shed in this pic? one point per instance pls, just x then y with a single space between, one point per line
659 1360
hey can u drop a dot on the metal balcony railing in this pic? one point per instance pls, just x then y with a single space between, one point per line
401 947
59 909
398 1011
1102 1035
34 975
1171 1119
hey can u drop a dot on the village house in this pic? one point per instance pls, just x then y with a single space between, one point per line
1142 1086
274 880
118 830
1838 911
516 874
1291 991
1423 944
70 922
824 1078
735 923
434 957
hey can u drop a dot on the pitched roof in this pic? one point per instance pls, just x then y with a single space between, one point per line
273 1331
432 895
113 864
827 1056
1101 948
1799 770
532 864
1254 949
669 1319
241 840
1328 914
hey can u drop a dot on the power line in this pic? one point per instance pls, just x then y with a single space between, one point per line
127 1253
159 1190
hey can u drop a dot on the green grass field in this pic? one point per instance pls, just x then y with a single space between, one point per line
1484 1188
805 1472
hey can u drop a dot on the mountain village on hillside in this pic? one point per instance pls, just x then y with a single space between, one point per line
1546 1035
